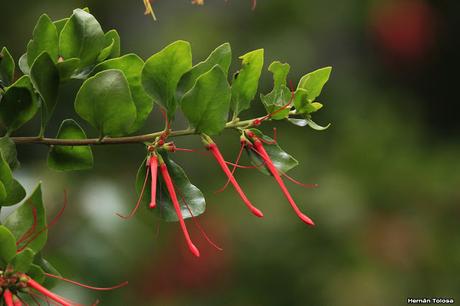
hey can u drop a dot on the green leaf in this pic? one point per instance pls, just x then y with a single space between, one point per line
105 52
60 24
23 65
8 151
22 219
104 100
19 104
81 37
131 65
45 266
7 245
316 106
316 126
14 191
44 39
112 46
45 77
184 190
37 274
162 72
67 68
303 104
221 56
281 160
23 260
280 72
298 122
275 102
6 67
207 104
314 82
3 193
70 158
246 80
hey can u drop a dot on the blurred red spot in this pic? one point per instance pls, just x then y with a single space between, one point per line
404 29
176 272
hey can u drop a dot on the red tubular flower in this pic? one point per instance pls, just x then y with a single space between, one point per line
33 284
8 298
173 196
153 164
211 146
16 301
58 299
259 148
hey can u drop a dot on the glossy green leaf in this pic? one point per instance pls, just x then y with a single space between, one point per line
15 193
105 53
45 266
22 219
67 68
7 245
60 24
7 67
186 193
23 260
104 100
132 65
37 274
45 77
246 80
314 82
70 158
81 37
207 104
23 65
8 151
19 104
112 46
281 160
162 72
44 39
221 56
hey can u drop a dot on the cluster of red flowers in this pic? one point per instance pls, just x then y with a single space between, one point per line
14 285
155 166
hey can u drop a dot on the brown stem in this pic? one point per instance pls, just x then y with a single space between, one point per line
119 140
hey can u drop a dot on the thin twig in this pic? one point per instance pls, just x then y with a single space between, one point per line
119 140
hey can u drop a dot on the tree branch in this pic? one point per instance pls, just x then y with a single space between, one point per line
120 140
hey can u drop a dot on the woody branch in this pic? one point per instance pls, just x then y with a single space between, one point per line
122 140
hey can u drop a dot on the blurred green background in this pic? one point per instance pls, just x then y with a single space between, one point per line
386 210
